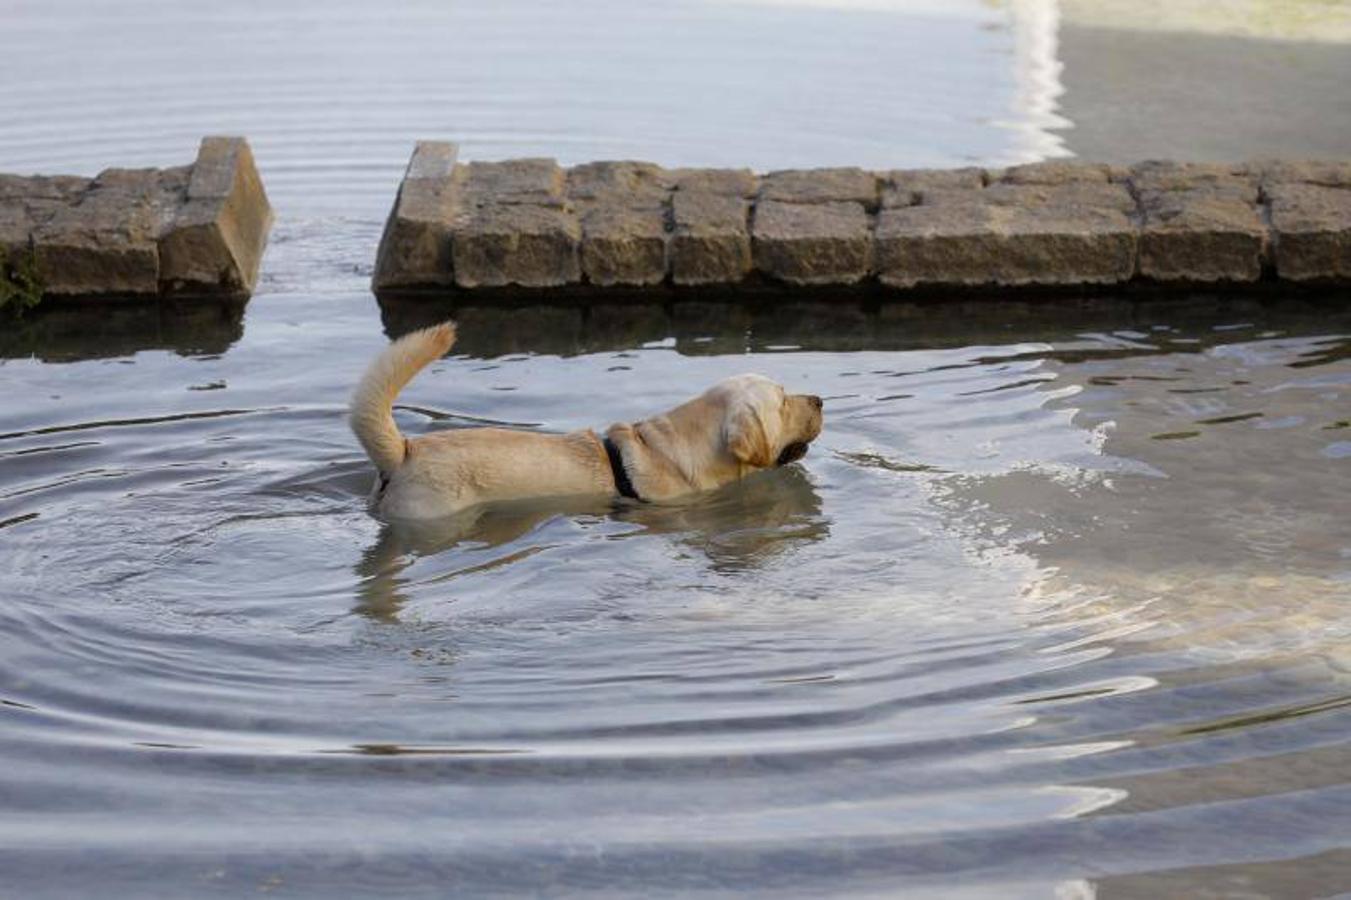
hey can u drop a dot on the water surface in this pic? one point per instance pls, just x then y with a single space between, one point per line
1062 608
1057 605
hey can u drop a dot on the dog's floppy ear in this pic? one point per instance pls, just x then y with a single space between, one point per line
743 432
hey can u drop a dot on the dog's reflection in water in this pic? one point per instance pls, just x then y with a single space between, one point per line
740 527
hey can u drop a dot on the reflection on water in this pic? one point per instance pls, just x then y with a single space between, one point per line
66 333
991 636
739 528
1057 605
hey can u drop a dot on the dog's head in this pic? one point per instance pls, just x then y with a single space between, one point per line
763 425
739 425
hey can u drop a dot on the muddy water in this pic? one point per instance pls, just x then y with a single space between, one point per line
1058 607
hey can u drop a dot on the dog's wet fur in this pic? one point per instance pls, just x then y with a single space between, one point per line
740 425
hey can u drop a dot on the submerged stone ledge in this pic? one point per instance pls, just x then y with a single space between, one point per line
531 227
191 231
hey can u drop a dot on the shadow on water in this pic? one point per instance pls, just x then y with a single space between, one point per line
70 333
849 322
740 528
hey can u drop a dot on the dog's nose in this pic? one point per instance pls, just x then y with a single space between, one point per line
816 401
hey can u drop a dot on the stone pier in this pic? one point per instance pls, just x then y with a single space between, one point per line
190 231
528 227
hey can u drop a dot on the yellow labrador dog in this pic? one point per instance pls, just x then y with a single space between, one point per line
739 425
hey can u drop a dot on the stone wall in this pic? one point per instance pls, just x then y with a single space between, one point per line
529 226
196 230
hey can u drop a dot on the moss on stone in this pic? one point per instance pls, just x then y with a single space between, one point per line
20 282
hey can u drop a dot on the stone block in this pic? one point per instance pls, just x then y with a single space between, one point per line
16 227
1084 194
501 244
30 189
1328 173
1206 234
28 202
1060 196
623 244
534 181
812 243
415 247
1311 231
726 182
105 241
711 242
821 186
196 229
214 242
964 244
622 183
907 187
1055 172
1163 175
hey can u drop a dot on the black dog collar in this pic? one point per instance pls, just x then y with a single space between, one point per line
621 477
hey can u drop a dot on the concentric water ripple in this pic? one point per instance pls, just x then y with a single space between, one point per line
992 632
1059 608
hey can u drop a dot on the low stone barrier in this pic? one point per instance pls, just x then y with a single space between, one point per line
191 231
529 226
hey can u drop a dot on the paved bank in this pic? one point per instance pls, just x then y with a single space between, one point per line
529 226
190 231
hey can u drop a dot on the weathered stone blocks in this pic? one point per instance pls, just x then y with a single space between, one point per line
821 186
215 240
538 182
625 225
105 241
726 182
415 247
623 183
909 187
195 230
711 243
512 225
812 243
1010 234
1055 172
1200 222
501 244
623 211
29 202
1311 231
623 245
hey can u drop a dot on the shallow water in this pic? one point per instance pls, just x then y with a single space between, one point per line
1058 607
1062 607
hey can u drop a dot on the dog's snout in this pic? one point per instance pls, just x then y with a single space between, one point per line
815 400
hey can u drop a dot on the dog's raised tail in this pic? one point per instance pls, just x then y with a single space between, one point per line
372 413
